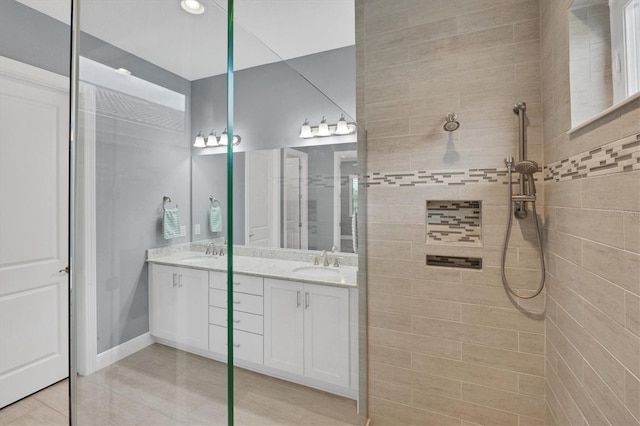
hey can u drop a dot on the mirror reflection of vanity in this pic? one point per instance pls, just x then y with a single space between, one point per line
604 57
301 197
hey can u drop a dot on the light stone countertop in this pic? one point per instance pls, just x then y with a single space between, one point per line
342 276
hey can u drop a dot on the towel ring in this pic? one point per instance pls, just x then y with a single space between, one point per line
166 199
214 201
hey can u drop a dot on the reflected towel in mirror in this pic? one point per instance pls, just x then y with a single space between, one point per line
171 224
215 219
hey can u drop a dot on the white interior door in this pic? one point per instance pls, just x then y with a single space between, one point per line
33 229
262 204
296 199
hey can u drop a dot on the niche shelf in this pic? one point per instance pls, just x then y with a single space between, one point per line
454 222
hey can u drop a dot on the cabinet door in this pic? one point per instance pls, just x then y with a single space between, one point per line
193 309
163 309
283 325
326 334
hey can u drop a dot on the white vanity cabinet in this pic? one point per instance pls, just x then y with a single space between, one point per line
306 330
178 305
248 322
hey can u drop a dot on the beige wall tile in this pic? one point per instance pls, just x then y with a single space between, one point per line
531 385
531 343
622 344
632 313
615 412
632 394
414 343
506 339
593 225
389 356
632 231
400 414
389 391
462 409
620 267
509 360
500 318
526 405
389 320
597 192
459 370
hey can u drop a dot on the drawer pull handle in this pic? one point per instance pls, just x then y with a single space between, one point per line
236 302
298 298
236 345
235 321
236 283
306 300
175 280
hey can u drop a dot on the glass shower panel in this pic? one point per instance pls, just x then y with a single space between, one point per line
143 287
297 190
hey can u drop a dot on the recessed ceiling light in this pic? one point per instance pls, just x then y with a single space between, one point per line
123 71
192 6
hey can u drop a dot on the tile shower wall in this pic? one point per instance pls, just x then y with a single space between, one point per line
592 192
447 345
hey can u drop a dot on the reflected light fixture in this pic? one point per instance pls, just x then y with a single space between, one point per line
192 6
342 128
199 143
305 130
214 140
325 129
123 71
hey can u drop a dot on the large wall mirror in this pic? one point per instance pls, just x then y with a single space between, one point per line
604 55
294 187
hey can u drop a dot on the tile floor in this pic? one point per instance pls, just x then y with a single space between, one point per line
164 386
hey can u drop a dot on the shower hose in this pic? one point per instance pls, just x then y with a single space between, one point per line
507 236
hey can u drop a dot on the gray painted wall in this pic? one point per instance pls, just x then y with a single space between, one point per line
136 166
209 177
272 101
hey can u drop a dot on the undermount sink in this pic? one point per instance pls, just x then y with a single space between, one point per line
318 272
197 258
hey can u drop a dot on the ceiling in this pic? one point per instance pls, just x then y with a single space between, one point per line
194 46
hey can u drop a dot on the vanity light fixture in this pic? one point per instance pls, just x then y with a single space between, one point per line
199 143
305 130
213 140
325 129
192 6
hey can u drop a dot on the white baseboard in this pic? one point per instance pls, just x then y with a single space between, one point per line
123 350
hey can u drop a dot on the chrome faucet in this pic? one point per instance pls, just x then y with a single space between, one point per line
211 249
325 258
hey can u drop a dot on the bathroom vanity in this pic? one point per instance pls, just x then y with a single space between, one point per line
291 319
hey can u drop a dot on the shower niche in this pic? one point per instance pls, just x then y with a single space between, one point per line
454 222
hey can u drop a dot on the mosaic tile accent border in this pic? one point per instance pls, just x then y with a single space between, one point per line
439 177
454 261
619 156
453 222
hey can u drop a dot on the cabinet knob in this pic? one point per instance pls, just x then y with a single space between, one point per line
236 345
236 302
236 321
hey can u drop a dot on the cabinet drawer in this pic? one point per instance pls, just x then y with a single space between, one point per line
247 346
241 302
242 320
241 283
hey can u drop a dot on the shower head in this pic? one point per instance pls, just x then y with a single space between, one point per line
526 167
452 123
